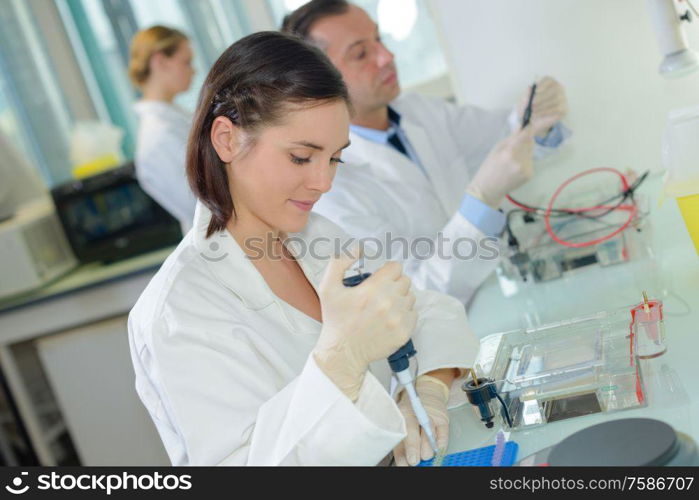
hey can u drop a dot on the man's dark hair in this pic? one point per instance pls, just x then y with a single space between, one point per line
300 21
252 84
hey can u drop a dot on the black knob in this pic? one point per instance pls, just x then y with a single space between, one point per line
687 16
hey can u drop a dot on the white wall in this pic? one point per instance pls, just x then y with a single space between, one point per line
603 51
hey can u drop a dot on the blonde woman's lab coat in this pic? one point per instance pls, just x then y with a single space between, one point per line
379 191
224 366
161 147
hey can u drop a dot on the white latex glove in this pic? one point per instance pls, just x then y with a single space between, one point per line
508 165
434 395
549 107
362 324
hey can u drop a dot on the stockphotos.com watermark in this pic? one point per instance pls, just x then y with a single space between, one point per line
388 247
106 483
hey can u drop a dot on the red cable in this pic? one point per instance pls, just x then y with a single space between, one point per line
518 204
547 216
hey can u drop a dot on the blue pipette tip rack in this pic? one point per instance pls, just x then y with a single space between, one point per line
480 457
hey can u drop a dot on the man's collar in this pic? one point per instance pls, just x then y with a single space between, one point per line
379 136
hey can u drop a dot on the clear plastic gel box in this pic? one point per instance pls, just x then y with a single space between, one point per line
566 369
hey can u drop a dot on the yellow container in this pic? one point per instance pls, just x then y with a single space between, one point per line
689 206
98 165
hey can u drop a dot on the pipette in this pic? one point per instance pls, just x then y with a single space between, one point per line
399 362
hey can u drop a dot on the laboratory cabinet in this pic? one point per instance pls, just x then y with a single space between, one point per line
93 381
68 393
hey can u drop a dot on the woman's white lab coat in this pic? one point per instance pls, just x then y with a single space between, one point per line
379 191
224 366
161 148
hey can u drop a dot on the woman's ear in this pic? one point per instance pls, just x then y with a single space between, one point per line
157 61
225 138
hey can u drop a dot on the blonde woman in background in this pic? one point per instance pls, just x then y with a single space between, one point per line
161 68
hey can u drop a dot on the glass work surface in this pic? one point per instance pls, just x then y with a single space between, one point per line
566 370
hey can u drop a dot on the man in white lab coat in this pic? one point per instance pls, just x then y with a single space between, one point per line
422 173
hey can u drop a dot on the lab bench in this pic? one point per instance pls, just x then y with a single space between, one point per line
65 361
65 357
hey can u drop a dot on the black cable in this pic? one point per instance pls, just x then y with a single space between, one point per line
628 193
504 407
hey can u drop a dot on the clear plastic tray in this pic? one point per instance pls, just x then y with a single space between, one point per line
566 369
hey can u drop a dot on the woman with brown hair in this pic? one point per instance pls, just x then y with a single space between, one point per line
161 68
248 348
